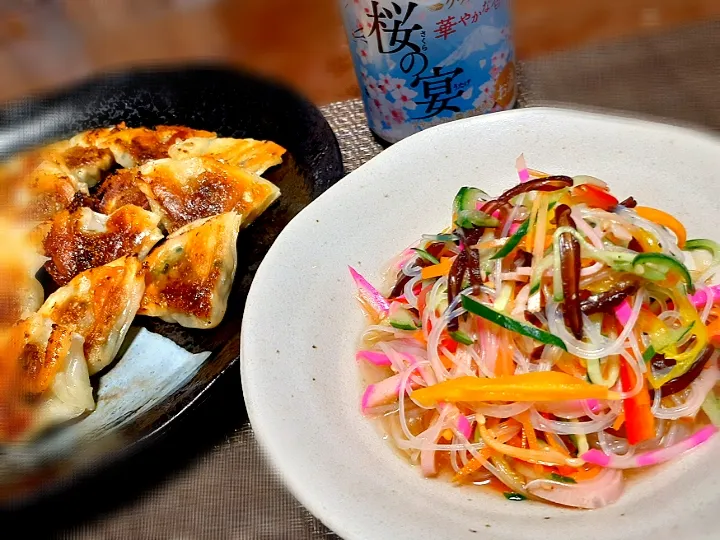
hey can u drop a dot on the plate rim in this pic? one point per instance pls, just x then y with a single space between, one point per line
314 505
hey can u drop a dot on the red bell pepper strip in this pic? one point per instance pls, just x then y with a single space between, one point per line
639 420
593 196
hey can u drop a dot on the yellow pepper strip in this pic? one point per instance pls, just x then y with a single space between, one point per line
534 386
542 457
659 333
664 219
647 241
437 270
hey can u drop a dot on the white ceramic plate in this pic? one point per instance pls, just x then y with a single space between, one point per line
301 326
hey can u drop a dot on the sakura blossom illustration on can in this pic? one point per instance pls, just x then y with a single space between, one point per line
426 62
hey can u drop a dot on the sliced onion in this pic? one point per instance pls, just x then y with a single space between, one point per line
604 489
502 411
653 457
571 428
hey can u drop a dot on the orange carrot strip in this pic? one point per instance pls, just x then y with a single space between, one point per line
473 465
713 331
419 335
504 364
530 435
619 421
533 386
586 472
437 270
529 430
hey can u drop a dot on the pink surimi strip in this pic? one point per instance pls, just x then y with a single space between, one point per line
521 167
658 456
596 457
593 405
649 458
370 294
653 457
700 298
383 393
463 426
374 357
623 312
513 228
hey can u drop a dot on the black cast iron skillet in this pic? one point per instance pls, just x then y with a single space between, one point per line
226 101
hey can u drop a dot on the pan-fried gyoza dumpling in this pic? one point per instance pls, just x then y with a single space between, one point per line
99 305
119 189
190 275
83 239
41 193
20 292
184 190
133 146
50 381
85 163
249 154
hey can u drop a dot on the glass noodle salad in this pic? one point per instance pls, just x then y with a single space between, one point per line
550 339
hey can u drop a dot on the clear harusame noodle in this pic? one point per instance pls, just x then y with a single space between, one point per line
547 341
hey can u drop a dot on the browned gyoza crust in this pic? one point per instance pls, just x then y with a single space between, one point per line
73 246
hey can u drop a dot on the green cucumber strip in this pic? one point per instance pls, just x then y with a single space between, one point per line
512 496
704 244
401 318
425 255
461 337
467 219
649 353
513 242
564 479
476 308
467 198
402 325
651 265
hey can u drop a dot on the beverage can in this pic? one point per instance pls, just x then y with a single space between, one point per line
423 63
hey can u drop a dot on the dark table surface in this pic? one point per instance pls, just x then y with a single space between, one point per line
207 478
